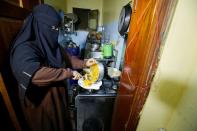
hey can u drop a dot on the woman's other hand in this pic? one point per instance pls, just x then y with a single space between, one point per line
76 75
90 62
68 73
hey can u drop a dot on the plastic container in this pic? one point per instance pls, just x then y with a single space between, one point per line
107 50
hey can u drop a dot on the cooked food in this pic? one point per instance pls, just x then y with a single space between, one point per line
87 83
92 76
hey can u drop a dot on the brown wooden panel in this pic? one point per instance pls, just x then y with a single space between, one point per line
15 2
8 30
29 4
148 27
12 11
8 104
11 19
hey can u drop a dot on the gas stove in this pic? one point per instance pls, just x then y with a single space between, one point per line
93 104
96 105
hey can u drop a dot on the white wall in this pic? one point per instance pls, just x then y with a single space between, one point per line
172 102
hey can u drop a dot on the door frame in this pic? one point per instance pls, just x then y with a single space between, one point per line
149 26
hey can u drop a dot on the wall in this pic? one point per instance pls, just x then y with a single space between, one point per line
111 13
111 10
58 4
171 103
88 4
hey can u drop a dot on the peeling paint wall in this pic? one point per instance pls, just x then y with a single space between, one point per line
171 103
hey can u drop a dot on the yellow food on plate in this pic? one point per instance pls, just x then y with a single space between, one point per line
87 83
93 76
94 73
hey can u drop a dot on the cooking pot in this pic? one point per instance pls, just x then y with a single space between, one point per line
95 84
101 71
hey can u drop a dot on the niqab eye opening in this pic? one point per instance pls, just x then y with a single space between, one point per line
56 27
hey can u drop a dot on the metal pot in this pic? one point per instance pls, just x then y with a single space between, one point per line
96 84
94 47
101 71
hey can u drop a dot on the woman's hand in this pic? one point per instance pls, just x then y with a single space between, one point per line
86 77
76 75
90 62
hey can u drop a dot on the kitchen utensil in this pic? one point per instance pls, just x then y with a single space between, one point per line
95 73
107 50
113 72
98 67
101 71
124 19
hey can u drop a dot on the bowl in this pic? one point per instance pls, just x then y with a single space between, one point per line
113 72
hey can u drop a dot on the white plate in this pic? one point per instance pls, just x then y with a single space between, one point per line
95 86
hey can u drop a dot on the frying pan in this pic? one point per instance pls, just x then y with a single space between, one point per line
124 19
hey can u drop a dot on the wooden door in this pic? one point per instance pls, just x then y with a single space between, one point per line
148 27
11 20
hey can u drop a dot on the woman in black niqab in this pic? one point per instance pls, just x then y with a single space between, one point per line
40 67
39 39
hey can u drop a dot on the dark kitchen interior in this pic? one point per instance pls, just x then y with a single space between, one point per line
128 39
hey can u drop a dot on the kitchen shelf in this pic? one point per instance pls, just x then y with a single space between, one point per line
104 59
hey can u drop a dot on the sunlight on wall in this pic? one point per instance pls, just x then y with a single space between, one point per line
172 103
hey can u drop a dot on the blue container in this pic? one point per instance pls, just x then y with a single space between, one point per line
73 51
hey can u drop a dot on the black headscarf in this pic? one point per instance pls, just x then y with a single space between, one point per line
36 45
